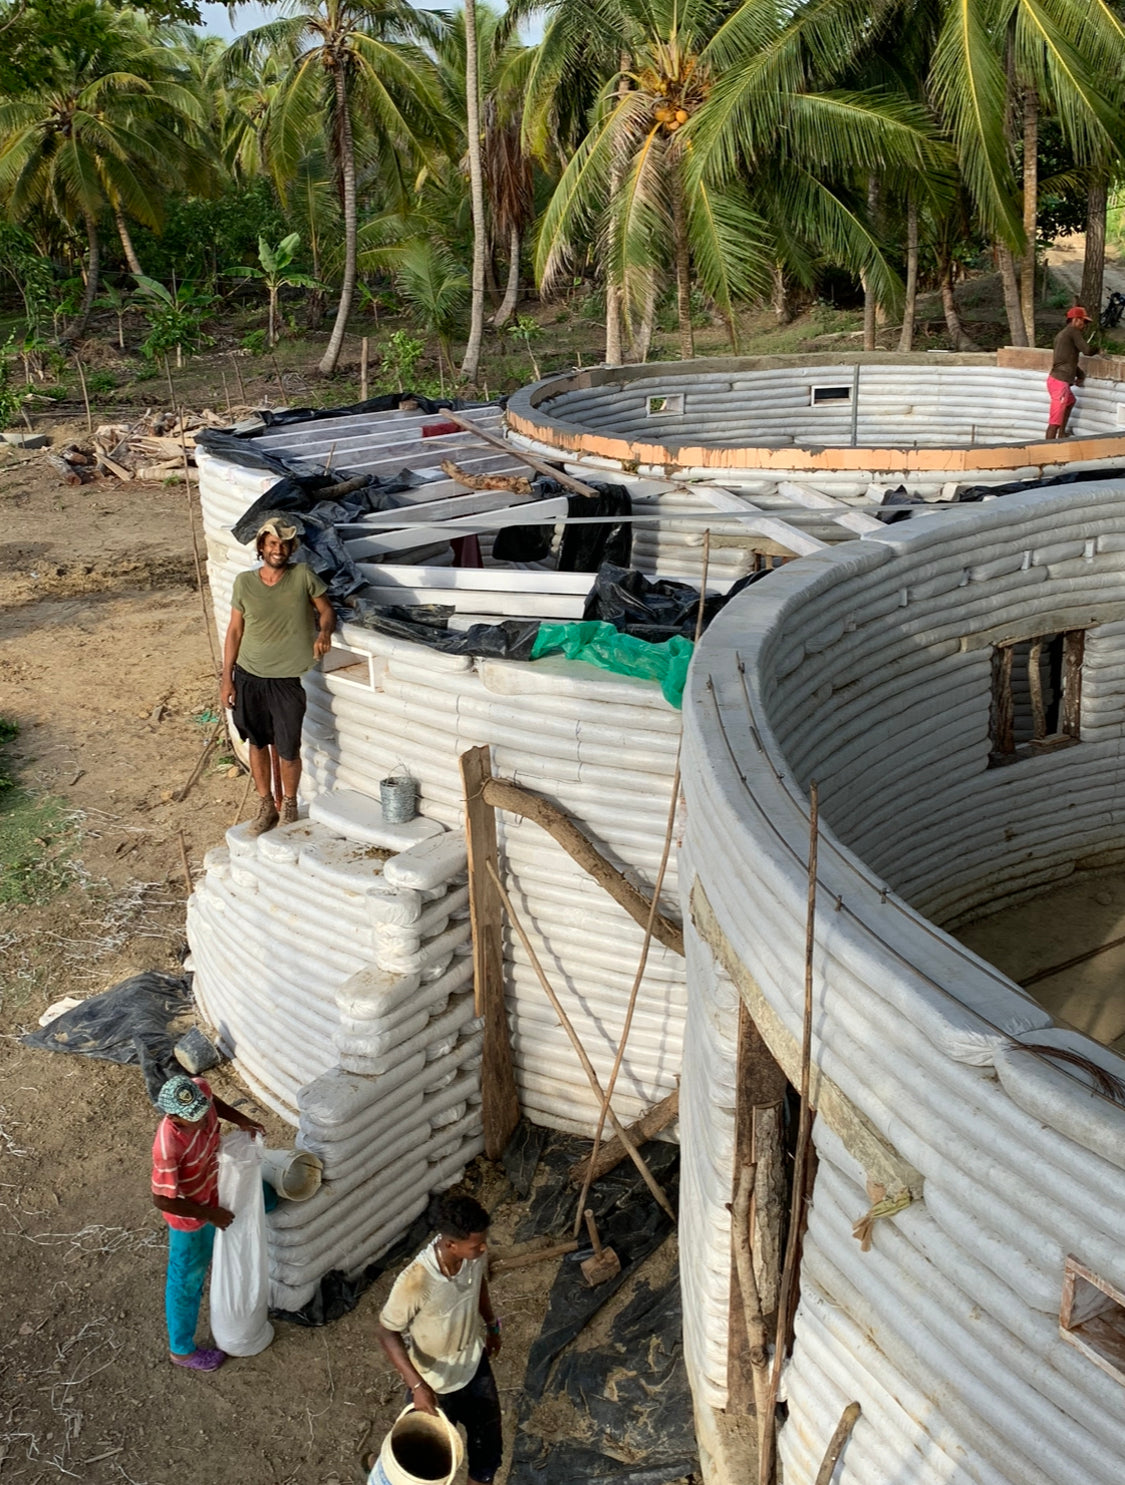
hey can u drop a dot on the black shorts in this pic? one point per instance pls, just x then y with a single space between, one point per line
269 710
476 1406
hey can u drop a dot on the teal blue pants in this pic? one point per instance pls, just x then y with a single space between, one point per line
189 1258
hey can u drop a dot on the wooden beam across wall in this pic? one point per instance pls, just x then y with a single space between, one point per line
500 1110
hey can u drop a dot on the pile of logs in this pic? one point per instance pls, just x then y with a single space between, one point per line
158 446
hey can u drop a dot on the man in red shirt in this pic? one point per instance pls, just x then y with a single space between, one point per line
185 1187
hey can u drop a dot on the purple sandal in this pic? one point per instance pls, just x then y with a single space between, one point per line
201 1360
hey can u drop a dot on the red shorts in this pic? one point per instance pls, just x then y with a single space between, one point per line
1062 398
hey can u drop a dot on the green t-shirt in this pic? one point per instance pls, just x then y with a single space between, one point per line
280 621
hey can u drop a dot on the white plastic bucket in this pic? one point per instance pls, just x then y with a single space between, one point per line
293 1174
420 1449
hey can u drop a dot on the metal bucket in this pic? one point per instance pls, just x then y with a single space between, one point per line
398 796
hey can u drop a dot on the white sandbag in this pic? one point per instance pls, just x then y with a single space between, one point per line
435 861
240 1319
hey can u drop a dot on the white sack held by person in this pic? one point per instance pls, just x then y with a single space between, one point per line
240 1267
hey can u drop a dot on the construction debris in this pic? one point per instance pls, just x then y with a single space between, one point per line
158 446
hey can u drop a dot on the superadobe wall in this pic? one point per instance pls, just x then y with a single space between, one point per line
867 668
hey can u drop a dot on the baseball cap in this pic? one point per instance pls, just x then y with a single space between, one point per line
275 526
183 1097
1077 313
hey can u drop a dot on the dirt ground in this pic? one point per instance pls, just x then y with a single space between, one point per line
105 666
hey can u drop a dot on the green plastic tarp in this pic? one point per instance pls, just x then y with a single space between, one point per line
601 644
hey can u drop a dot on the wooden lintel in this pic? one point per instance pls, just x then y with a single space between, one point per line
613 1152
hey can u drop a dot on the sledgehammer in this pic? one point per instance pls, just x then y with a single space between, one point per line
605 1263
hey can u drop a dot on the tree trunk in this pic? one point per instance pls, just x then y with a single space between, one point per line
642 339
471 364
77 327
870 305
272 334
614 291
909 307
683 266
1093 267
512 290
779 295
961 341
346 149
127 242
1030 208
1010 280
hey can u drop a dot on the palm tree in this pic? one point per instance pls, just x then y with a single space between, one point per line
476 192
994 68
351 67
99 133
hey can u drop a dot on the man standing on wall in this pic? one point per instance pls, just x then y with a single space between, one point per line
439 1331
1070 343
280 623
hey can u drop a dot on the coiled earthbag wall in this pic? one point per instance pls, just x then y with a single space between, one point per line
843 667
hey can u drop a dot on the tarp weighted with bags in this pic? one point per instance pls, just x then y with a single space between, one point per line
240 1267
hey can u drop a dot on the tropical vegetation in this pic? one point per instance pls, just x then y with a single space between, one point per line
645 163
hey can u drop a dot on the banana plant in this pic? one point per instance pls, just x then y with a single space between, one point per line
276 273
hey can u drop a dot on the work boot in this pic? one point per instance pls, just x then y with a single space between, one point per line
266 818
288 811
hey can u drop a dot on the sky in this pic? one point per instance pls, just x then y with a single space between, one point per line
246 17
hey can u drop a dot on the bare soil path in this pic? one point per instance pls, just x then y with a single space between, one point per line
105 666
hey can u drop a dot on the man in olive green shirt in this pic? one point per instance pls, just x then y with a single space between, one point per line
280 623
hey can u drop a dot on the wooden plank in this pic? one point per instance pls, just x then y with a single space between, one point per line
402 538
540 465
760 1086
507 605
613 1152
481 579
1073 653
500 1108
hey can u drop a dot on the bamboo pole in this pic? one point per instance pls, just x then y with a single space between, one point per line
840 1435
766 1443
85 393
587 1066
751 1299
652 915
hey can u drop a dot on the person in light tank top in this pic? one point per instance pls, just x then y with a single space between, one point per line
439 1330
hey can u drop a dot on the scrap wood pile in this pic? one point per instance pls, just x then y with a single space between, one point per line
155 447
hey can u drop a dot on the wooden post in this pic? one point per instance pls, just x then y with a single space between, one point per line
760 1087
85 393
801 1163
363 369
500 1107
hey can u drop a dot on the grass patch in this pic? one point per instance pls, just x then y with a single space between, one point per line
38 835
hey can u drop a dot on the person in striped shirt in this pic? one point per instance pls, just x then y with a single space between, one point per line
185 1187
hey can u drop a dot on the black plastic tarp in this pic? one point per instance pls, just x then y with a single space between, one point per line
134 1022
653 609
621 1409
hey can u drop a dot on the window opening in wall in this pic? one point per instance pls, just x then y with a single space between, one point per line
1036 696
1092 1318
831 394
672 402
